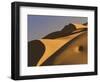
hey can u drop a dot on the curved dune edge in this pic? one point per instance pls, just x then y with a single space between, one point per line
66 31
53 45
75 52
78 26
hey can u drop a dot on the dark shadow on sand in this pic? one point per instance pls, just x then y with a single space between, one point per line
35 51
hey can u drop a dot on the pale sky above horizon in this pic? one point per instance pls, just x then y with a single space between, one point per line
39 25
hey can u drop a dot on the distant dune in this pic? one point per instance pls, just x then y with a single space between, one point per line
67 30
64 32
65 47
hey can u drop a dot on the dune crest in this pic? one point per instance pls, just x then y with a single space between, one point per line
46 50
53 45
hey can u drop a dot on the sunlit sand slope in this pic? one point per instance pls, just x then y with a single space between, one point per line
74 52
78 26
65 47
53 45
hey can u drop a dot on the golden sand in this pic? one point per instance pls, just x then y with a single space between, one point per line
52 45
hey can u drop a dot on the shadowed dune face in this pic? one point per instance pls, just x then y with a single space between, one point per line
35 51
65 47
67 30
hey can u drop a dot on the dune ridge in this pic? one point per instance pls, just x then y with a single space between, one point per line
41 50
53 45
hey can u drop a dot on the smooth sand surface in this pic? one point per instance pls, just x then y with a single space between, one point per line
78 26
52 45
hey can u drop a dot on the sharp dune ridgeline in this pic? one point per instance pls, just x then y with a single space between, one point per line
65 47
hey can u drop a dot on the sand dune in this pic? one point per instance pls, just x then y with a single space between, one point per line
68 46
71 53
78 26
67 30
53 45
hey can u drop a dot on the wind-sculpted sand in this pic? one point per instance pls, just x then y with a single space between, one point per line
60 48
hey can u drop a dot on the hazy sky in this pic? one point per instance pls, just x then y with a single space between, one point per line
39 25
